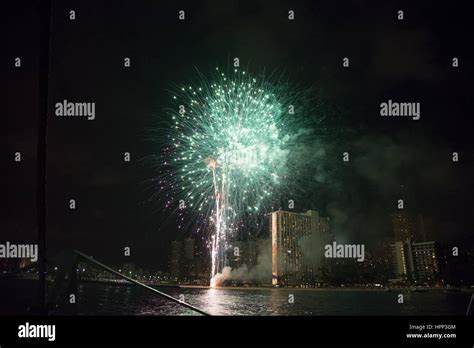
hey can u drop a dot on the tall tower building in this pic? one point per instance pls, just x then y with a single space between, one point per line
424 228
188 249
175 261
403 226
326 238
426 260
415 229
298 247
244 253
188 258
402 260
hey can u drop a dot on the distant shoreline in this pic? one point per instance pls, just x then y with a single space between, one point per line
342 289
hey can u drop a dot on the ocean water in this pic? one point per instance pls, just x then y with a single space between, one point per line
109 299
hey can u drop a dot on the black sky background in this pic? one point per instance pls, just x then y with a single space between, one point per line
406 60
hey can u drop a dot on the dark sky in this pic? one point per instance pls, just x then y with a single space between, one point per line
406 60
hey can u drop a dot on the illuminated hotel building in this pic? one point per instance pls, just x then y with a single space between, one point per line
175 262
298 247
403 227
415 261
426 260
403 265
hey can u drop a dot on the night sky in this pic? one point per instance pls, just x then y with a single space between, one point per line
407 60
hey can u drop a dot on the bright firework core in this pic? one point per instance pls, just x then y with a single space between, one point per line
231 140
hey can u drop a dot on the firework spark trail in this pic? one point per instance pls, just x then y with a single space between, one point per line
228 152
219 236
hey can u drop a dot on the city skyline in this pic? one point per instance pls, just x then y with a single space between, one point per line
389 158
408 260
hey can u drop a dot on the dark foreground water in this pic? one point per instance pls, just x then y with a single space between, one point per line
105 299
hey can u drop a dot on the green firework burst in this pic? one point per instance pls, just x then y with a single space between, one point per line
231 151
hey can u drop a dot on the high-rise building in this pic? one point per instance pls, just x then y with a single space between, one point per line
244 253
424 228
182 262
202 260
298 247
175 261
426 260
415 261
403 226
188 249
188 258
326 238
416 229
402 256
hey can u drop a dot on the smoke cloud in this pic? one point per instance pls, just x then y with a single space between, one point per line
260 273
